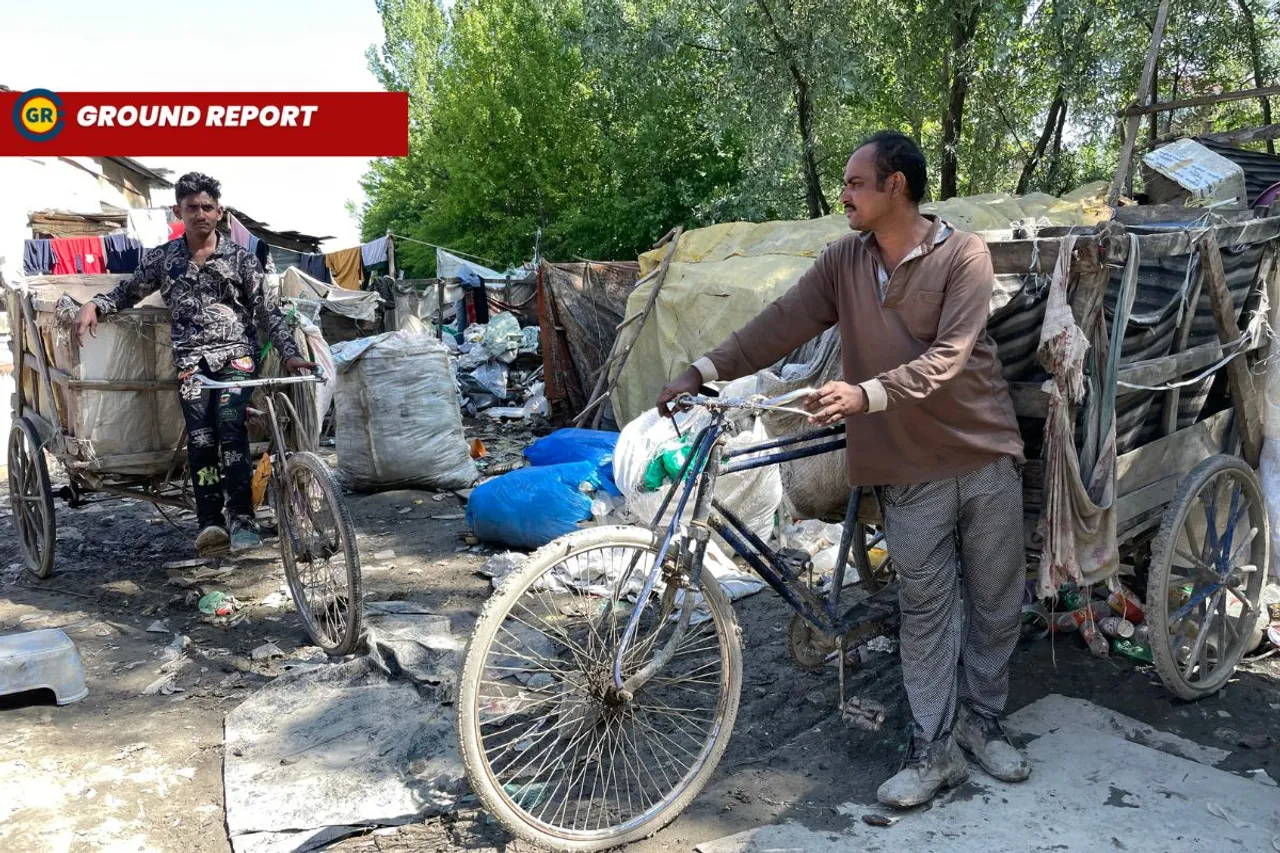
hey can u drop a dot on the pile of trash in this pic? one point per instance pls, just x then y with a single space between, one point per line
499 369
1114 622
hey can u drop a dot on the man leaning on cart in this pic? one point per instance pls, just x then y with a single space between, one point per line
930 424
214 291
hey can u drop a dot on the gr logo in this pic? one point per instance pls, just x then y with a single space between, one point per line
38 115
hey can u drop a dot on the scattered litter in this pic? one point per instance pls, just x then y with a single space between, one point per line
181 578
453 516
1255 741
218 603
276 599
187 564
866 714
385 555
511 413
266 651
879 820
159 626
404 510
1218 811
131 749
174 650
162 686
478 450
883 643
1261 775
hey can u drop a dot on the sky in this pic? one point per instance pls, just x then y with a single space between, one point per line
231 45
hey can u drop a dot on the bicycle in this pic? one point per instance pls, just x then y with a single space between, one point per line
590 719
316 534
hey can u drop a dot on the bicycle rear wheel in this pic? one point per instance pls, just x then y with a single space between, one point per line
318 549
552 752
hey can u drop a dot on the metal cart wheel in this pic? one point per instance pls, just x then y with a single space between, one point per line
1208 566
31 497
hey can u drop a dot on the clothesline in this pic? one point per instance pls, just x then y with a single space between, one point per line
447 249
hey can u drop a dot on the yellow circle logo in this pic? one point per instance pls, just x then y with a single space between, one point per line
38 115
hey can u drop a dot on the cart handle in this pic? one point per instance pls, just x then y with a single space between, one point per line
206 382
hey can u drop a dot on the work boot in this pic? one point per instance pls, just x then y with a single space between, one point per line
929 768
984 739
213 539
243 536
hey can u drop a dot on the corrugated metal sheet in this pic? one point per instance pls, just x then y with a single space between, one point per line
1261 169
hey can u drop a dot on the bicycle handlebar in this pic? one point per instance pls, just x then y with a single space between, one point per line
206 382
757 403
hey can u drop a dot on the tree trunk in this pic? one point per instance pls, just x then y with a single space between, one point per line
814 198
959 69
1055 152
1255 53
1050 122
1153 129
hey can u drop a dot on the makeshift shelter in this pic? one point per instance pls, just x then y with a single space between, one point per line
341 314
721 276
580 307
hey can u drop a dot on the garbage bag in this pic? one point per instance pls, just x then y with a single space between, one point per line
502 337
577 445
529 507
398 423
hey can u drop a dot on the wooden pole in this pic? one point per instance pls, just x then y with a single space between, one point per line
1144 94
391 254
1199 101
1244 394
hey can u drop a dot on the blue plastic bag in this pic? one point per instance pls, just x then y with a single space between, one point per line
529 507
578 445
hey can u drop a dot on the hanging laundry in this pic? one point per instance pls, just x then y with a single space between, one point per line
313 265
123 252
150 226
283 258
346 268
239 234
37 257
73 255
374 252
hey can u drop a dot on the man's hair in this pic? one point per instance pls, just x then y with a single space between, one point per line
897 152
196 182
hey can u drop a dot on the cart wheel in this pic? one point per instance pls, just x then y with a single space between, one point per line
31 497
873 576
318 549
1208 565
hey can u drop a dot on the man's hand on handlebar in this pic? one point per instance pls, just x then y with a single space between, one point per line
686 383
834 402
299 366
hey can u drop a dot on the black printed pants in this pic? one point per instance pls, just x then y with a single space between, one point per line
218 444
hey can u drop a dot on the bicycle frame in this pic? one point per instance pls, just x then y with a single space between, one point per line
706 463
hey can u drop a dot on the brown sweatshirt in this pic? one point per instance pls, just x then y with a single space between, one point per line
938 404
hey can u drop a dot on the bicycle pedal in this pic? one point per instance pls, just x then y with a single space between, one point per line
795 560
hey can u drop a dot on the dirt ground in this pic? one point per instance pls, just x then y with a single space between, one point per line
133 769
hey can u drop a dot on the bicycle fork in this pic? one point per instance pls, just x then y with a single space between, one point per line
705 460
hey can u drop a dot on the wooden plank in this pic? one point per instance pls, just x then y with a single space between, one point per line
1200 101
17 345
37 345
1177 453
1029 399
1244 394
1144 93
1154 246
121 462
1019 257
1159 493
1145 214
119 384
1247 135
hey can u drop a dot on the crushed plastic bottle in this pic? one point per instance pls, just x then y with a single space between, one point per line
218 603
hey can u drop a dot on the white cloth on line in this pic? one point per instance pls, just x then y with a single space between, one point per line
239 234
374 252
150 226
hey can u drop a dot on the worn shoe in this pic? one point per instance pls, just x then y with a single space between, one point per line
930 767
213 539
243 536
984 739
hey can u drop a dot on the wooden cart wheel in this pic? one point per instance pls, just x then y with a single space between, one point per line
1208 566
31 497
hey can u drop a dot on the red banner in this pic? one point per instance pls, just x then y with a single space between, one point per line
204 124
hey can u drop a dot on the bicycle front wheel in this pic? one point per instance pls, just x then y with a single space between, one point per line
318 549
551 750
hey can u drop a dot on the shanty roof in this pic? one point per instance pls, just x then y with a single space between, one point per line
295 240
153 177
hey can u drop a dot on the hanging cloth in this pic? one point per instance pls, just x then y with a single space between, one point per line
346 268
374 252
37 257
239 234
73 255
1078 522
124 253
313 265
151 227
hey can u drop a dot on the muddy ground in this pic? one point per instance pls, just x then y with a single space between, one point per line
129 770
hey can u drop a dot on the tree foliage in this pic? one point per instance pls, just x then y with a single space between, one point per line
590 127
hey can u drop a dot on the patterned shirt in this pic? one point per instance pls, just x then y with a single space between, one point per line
213 307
